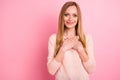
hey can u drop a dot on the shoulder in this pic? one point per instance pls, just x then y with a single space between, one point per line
52 37
88 37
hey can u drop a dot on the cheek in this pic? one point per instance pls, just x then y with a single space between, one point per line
76 19
65 18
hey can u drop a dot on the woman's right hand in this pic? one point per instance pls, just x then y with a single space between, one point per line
69 43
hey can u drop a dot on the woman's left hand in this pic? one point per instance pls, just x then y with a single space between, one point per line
78 46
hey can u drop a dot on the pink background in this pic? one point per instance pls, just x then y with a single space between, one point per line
25 26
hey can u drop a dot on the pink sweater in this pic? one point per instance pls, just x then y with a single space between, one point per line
72 68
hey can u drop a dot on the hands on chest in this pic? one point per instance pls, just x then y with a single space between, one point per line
72 43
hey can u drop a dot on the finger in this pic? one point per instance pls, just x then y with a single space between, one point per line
77 37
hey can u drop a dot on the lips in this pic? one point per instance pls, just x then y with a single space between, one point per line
70 23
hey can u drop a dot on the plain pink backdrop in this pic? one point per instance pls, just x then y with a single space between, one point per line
25 26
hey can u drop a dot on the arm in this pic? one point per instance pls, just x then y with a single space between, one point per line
90 64
52 64
88 60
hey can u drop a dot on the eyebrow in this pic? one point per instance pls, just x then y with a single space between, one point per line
69 13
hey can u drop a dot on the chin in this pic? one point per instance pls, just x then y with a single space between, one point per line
70 26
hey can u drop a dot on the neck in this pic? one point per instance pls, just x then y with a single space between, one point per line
70 32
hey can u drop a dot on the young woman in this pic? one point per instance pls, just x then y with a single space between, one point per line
70 51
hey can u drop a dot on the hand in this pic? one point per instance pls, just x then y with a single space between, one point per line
78 46
69 43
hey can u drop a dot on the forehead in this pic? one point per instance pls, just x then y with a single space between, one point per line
71 9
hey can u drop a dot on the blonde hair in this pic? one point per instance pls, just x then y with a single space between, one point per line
61 27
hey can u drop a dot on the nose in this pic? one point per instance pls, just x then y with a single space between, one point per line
70 17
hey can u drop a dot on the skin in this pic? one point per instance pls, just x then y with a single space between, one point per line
71 42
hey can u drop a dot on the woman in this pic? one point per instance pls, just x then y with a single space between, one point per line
70 50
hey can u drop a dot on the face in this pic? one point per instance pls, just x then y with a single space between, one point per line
70 17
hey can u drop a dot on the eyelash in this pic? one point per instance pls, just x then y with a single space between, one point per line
66 14
74 15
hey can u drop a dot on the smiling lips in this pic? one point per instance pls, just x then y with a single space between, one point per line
69 22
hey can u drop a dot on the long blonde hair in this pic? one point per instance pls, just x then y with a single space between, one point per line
61 27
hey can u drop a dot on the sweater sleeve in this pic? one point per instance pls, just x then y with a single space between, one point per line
52 64
90 65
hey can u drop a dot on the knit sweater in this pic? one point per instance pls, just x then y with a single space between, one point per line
72 68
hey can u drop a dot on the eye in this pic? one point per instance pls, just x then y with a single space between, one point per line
74 15
66 14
